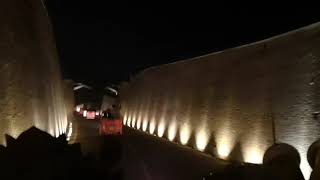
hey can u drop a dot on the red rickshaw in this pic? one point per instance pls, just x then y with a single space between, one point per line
110 124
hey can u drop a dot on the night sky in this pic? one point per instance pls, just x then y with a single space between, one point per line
101 43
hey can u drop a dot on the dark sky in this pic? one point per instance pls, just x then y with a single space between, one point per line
100 42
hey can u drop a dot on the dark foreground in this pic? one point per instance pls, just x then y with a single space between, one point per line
145 157
133 156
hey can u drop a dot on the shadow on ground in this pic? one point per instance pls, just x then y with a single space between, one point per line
37 155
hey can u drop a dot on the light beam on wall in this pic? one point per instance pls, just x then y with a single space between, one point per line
129 120
139 122
133 121
172 131
185 133
152 126
125 119
225 143
145 124
69 134
253 149
253 155
224 150
161 127
304 165
202 138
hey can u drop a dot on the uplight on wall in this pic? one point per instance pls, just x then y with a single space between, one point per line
133 121
202 138
145 124
69 134
304 165
224 150
172 131
225 143
152 126
125 119
57 131
129 120
139 122
161 128
185 133
253 155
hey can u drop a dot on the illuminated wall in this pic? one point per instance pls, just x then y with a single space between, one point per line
30 84
230 98
68 94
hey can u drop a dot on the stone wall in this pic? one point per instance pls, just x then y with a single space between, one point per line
31 89
237 102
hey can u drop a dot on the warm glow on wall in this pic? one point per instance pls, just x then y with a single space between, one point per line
303 149
139 122
152 126
224 150
172 131
202 138
304 166
144 124
225 137
69 134
253 148
125 119
161 128
253 155
65 124
129 120
225 143
57 129
133 121
185 133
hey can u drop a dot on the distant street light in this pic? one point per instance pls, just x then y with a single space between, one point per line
112 90
80 85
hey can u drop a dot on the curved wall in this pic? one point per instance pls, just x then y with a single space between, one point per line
30 83
231 99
